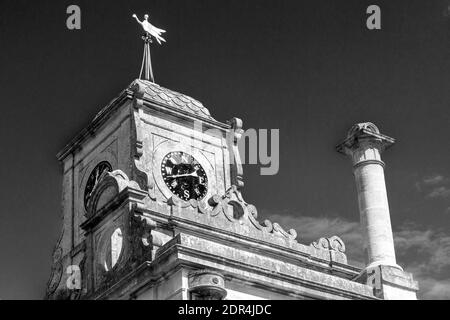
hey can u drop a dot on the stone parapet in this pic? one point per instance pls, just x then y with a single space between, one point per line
390 283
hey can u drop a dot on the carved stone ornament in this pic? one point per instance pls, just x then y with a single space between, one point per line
207 285
141 238
138 248
131 232
109 186
139 170
233 207
335 246
237 171
56 273
55 278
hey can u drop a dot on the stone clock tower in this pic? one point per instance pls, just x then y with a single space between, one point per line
147 157
152 208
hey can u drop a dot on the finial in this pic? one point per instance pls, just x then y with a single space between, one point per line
150 31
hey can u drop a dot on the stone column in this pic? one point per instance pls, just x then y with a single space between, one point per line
364 144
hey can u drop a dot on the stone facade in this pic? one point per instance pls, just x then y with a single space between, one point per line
133 239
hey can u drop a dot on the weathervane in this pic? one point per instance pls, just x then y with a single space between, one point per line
150 30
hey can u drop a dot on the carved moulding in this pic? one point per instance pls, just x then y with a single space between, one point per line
234 209
116 203
109 186
237 171
56 273
207 285
137 249
141 239
139 169
335 246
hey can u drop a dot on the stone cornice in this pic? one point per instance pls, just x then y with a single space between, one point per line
369 161
353 141
185 251
322 260
188 246
188 251
242 228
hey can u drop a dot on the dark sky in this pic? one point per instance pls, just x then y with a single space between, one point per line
308 68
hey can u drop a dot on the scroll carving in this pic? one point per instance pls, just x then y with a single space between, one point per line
237 172
141 237
233 207
334 245
139 172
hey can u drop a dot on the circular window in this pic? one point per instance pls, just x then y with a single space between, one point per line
93 180
112 248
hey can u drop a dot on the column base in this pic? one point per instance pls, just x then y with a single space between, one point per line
383 263
389 282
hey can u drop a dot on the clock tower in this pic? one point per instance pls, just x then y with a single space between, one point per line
152 208
147 152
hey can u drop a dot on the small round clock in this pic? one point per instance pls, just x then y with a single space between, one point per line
184 176
93 180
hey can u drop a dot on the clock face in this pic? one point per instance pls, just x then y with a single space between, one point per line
184 176
93 180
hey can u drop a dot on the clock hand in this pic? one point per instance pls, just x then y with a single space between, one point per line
194 174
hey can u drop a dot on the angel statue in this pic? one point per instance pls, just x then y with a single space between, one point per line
151 29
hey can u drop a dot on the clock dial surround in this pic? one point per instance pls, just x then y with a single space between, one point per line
184 176
94 178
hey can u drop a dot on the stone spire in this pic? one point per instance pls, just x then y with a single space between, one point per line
364 144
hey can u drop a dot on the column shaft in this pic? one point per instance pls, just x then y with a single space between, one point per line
374 213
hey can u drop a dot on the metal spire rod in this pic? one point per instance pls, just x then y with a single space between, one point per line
146 66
